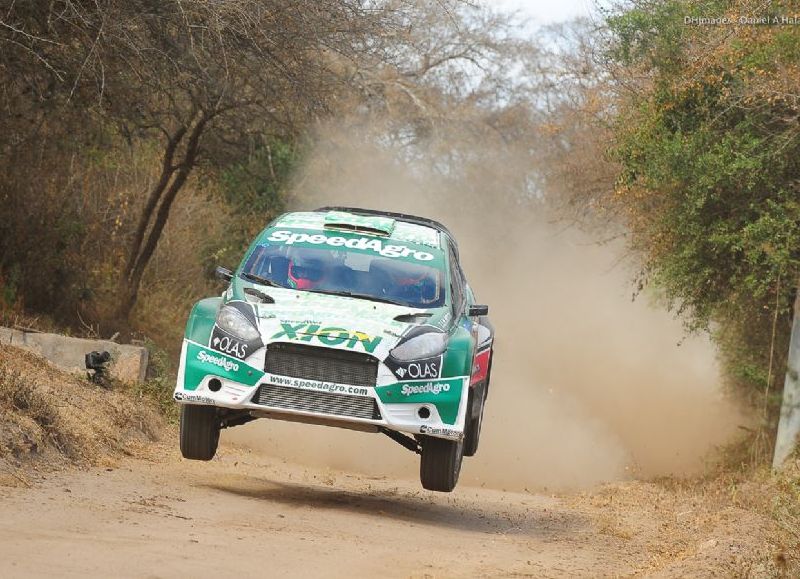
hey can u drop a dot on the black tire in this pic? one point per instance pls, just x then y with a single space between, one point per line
199 432
472 432
440 464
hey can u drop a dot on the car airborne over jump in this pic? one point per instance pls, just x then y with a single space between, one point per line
343 317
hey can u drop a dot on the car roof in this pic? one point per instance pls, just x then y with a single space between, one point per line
394 226
398 216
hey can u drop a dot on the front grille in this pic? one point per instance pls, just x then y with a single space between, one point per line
321 364
320 402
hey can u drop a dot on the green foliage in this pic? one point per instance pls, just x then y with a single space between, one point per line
9 288
711 174
160 383
255 185
254 190
651 33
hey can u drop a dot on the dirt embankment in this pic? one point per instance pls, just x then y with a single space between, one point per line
50 418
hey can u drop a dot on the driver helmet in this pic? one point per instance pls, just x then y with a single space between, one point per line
417 284
305 273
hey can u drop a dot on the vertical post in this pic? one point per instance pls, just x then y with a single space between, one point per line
789 425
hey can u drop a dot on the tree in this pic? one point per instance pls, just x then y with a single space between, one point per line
220 73
706 138
212 85
198 75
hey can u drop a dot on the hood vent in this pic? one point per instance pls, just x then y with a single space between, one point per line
259 295
412 318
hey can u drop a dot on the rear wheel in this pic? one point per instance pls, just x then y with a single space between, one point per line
440 464
199 432
472 432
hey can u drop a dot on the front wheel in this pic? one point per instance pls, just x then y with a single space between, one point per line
440 464
199 432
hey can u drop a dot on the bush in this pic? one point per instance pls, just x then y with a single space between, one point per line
710 179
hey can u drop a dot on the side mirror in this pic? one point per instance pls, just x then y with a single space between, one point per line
223 274
478 311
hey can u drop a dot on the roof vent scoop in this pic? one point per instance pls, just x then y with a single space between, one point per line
368 224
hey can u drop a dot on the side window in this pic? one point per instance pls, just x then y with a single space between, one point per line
456 284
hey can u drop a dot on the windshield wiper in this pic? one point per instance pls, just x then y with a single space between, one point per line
254 277
355 295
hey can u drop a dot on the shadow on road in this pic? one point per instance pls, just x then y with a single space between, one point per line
464 513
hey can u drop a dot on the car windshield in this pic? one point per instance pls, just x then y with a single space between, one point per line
376 269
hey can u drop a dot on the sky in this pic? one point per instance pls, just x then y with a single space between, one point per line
545 11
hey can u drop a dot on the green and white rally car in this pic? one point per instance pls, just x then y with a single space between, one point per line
343 317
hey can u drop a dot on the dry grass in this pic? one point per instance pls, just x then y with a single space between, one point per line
177 276
14 316
784 505
50 417
743 469
743 523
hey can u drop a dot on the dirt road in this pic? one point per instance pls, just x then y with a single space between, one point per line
245 514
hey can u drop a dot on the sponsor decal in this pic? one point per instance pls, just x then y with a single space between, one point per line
319 386
328 336
361 243
416 370
224 363
448 432
180 396
444 393
427 388
480 366
229 346
200 362
232 346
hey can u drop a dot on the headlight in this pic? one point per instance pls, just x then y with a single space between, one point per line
233 321
425 345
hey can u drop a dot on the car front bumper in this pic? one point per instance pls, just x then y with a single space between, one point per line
435 407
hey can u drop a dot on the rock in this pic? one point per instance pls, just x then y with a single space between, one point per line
128 363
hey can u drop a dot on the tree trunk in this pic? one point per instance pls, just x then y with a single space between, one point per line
167 170
789 425
166 190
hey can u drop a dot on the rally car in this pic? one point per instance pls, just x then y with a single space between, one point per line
343 317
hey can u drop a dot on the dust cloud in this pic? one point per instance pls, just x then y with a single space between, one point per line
587 386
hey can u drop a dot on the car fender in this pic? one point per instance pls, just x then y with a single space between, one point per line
201 320
458 357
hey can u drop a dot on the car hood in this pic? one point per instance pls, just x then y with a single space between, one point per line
340 322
